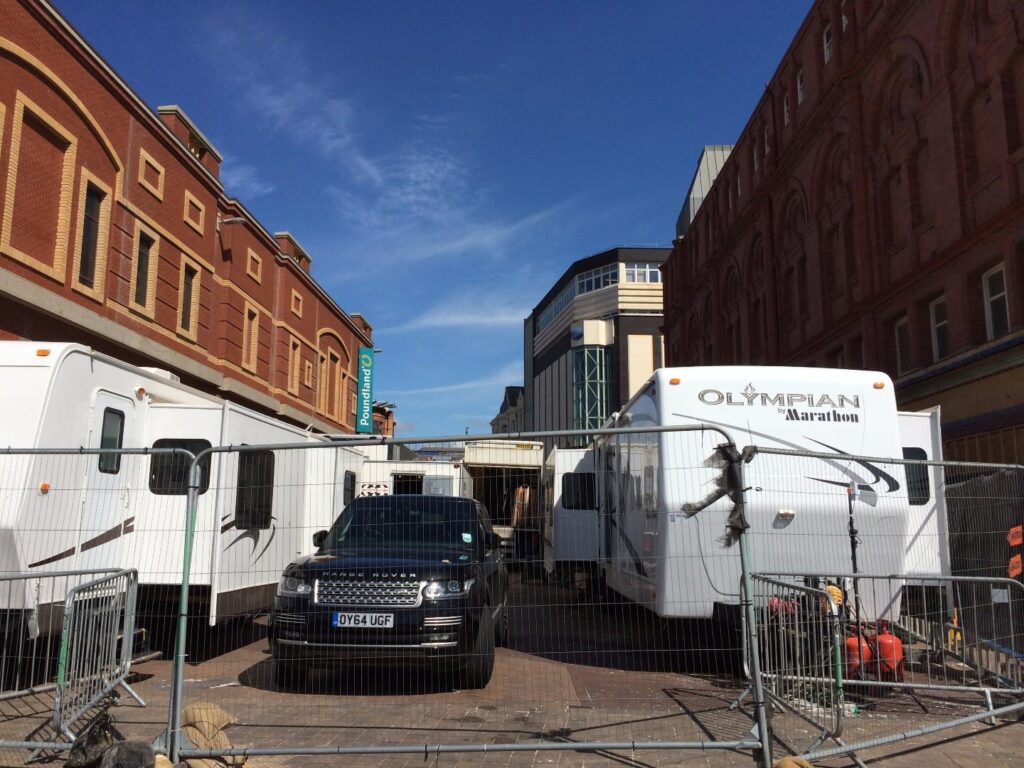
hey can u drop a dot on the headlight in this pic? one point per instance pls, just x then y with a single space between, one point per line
293 586
439 590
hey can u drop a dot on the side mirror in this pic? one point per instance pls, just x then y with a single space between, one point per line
318 538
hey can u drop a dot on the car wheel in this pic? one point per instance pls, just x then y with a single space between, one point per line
479 662
501 627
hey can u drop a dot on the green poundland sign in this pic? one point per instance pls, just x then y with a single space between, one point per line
364 401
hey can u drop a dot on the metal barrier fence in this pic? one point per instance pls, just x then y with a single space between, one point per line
96 646
620 612
922 560
802 657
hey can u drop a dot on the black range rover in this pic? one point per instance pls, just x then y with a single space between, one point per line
396 579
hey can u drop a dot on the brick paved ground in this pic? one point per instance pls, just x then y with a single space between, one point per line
577 695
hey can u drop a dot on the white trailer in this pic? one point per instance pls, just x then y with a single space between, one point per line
256 510
655 554
927 550
382 477
507 477
572 527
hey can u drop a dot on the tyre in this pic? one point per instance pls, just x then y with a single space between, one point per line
501 627
478 664
289 674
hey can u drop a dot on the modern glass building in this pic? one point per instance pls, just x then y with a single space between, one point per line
594 339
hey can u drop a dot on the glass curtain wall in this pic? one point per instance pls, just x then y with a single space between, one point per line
591 373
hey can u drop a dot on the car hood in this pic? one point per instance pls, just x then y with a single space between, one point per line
408 565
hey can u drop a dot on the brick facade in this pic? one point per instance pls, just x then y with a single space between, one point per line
872 215
116 231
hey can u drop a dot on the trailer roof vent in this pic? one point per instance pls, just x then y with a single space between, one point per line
162 374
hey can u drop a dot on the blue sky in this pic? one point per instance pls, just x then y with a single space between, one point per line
443 163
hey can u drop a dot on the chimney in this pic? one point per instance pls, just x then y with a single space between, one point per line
185 131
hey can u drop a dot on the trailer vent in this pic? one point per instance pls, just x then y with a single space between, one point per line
160 373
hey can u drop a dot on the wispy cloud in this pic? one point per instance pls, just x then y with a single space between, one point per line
510 373
467 309
243 180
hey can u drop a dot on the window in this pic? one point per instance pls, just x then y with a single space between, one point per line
307 377
940 328
143 255
642 273
403 484
297 303
254 492
111 439
90 235
294 358
800 86
188 292
901 334
349 492
168 472
250 338
754 153
254 266
579 490
918 488
826 43
997 314
766 147
437 485
739 187
785 109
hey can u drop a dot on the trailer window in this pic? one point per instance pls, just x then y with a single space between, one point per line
168 472
111 438
918 485
350 488
403 484
578 490
254 494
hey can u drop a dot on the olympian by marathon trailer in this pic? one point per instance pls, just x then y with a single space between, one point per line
655 553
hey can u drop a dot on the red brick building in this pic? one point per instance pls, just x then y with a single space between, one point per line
115 231
871 215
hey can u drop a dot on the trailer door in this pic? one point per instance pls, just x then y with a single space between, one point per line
107 488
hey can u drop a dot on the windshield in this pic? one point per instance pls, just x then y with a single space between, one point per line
405 522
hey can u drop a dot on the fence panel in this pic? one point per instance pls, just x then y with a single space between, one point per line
67 518
922 559
96 649
398 631
801 660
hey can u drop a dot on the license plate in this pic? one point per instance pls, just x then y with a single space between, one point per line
369 620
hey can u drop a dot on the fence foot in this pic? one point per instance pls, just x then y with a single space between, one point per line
740 699
133 694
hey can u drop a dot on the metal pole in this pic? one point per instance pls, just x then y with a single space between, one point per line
764 735
178 674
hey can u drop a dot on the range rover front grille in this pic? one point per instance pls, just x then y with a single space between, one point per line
364 593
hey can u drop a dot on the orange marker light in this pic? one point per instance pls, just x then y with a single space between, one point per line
42 353
44 487
140 392
879 385
673 381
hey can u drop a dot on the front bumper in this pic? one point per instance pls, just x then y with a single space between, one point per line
303 631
